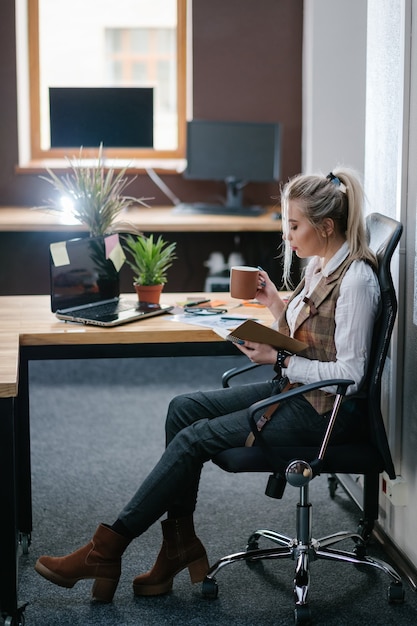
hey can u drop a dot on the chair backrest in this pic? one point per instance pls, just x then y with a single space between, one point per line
383 234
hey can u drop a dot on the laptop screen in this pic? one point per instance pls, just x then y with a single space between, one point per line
81 273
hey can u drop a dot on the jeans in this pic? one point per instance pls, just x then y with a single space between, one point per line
198 426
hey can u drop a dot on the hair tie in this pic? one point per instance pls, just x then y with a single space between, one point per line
336 181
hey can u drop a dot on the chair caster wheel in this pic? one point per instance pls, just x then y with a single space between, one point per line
360 550
364 529
332 483
25 541
252 545
396 593
16 620
210 588
302 615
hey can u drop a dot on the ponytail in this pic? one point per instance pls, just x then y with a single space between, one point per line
338 196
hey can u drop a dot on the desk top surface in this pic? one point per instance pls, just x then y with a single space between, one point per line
28 321
162 219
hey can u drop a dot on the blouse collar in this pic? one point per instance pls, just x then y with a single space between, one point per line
336 260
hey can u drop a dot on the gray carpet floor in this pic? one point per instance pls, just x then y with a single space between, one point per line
97 428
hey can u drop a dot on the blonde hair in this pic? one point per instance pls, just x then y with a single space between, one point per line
338 196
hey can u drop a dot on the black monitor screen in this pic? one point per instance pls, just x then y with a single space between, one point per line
243 151
117 117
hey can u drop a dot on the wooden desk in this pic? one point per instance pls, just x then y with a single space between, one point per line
29 331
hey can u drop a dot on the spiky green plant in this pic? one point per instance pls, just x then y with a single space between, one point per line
96 195
149 259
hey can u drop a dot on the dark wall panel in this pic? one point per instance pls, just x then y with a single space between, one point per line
248 56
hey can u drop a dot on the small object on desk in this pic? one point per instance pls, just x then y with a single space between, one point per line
195 306
238 318
196 302
253 303
219 303
204 311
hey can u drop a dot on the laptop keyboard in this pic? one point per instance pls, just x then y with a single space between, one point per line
110 308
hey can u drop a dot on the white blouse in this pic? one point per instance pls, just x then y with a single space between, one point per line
356 311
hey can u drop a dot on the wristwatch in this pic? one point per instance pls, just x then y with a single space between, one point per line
279 363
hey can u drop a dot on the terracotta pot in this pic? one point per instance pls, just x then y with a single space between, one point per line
148 293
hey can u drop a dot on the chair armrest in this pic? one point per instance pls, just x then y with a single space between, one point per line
341 383
342 386
235 371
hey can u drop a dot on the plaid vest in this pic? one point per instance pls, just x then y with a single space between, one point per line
315 325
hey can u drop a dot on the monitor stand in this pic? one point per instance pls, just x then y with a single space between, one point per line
233 203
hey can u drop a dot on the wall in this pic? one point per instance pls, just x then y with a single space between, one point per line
406 531
334 84
391 186
246 66
360 108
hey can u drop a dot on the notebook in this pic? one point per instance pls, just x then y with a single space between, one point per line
253 331
85 283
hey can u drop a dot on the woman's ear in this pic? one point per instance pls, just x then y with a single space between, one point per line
327 227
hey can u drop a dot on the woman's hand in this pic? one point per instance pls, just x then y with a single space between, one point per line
268 294
259 353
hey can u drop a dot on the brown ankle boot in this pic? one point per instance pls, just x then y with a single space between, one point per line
180 549
100 559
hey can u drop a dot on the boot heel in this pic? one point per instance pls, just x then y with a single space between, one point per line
198 569
104 589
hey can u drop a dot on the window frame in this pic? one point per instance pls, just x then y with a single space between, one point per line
37 153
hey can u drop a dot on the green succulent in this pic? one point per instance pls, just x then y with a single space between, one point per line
149 259
96 195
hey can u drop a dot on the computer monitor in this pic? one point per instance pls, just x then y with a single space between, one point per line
235 152
117 117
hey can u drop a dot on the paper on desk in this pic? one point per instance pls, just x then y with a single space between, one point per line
217 323
210 321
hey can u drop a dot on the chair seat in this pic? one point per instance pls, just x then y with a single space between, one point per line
357 458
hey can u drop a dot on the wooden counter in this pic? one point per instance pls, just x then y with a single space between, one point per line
154 219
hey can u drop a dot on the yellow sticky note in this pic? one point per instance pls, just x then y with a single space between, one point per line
59 253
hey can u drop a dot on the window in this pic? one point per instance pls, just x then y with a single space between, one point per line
102 43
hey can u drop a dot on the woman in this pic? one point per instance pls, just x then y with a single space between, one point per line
333 311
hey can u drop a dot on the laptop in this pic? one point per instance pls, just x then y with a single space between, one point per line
85 285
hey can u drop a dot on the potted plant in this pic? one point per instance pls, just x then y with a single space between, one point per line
92 194
150 260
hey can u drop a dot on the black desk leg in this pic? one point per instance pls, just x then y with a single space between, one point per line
23 460
8 527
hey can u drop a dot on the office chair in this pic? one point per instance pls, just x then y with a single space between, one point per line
299 465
